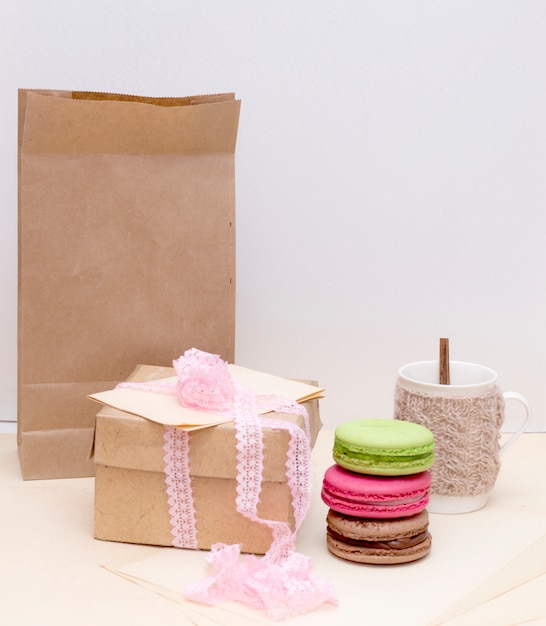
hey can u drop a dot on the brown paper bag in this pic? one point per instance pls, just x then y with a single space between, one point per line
126 253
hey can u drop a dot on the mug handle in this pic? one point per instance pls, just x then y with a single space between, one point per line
514 395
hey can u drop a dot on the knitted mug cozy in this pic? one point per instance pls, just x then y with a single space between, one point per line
466 434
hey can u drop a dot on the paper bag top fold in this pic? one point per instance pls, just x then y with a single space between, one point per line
66 125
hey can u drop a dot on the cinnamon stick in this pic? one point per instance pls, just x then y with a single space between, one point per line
444 361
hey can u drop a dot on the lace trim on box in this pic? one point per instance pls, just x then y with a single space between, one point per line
179 492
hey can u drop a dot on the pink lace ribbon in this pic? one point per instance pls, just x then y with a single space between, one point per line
281 582
283 589
179 494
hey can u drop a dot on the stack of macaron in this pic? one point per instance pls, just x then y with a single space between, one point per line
377 491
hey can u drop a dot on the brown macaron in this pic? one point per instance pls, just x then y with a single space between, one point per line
378 541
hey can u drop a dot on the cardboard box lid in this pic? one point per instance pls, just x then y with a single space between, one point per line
131 442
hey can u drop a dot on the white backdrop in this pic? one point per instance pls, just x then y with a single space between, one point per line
391 173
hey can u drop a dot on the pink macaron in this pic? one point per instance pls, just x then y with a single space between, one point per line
364 495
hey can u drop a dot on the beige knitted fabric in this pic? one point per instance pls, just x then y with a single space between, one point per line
466 435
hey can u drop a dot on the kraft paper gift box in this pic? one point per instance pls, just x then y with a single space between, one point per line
131 503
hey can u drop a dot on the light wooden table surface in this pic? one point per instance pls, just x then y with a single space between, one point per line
51 574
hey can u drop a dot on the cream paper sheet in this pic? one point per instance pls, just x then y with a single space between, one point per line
512 595
515 594
166 409
478 561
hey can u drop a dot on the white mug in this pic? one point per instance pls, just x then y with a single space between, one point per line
465 418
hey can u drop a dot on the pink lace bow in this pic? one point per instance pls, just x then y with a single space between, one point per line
281 582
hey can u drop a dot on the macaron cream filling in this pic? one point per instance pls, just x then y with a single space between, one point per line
389 544
372 499
419 456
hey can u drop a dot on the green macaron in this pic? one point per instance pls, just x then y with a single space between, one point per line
384 447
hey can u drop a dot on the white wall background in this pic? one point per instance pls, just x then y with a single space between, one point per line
391 173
